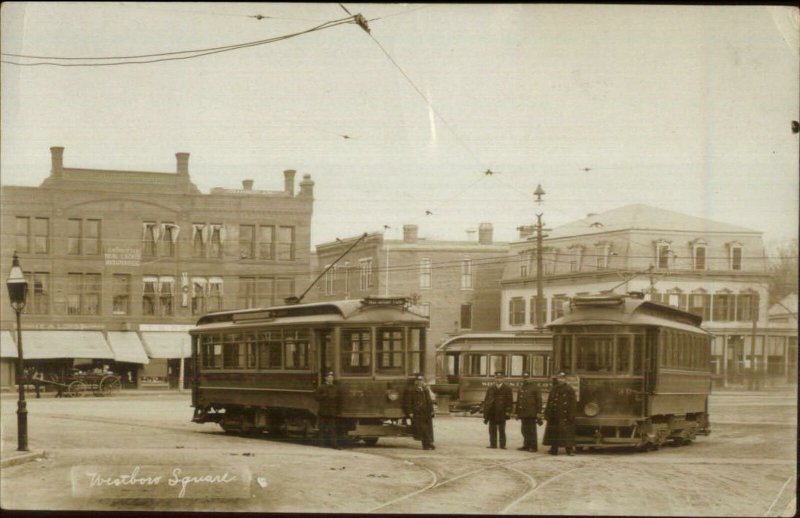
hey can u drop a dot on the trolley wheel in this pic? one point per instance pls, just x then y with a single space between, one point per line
76 389
110 385
370 441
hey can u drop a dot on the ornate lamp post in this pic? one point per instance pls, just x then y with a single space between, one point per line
17 291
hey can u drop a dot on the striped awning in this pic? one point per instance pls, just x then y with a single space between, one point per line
8 347
167 344
127 347
40 345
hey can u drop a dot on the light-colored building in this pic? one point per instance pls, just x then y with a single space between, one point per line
121 264
454 283
712 269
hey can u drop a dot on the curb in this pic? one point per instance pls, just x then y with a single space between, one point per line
22 458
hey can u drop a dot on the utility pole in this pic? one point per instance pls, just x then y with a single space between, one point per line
539 192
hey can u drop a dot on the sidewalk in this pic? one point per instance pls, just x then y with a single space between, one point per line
31 394
15 457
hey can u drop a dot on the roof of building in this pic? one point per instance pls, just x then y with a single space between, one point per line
642 217
786 306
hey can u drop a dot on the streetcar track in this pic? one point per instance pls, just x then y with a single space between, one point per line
778 497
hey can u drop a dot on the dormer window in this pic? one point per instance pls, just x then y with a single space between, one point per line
735 255
699 256
663 251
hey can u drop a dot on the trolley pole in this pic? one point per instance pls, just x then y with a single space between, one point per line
539 192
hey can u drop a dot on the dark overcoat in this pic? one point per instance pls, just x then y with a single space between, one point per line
328 398
498 403
418 403
560 415
529 400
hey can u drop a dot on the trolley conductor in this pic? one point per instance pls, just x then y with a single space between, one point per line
497 409
560 415
418 404
327 395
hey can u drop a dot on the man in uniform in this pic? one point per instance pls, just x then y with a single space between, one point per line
497 409
327 395
418 405
529 408
560 415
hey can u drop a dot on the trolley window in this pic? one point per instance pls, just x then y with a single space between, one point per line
594 353
497 363
623 354
519 364
565 352
355 351
539 365
211 352
451 365
270 350
638 354
297 349
389 351
416 345
233 352
476 365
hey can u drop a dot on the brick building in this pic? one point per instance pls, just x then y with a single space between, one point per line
712 269
121 263
454 283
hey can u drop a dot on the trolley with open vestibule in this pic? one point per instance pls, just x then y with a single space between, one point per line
256 370
466 365
641 370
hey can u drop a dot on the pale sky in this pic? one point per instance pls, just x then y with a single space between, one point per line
686 108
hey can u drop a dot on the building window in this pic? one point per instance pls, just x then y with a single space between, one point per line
466 316
676 299
169 237
662 254
255 292
38 296
74 236
524 263
215 294
38 242
557 306
550 260
198 292
575 258
22 231
266 242
423 309
516 311
699 256
747 307
366 273
166 296
466 274
158 296
286 243
723 307
150 234
425 273
736 257
91 242
120 294
41 235
330 280
199 238
83 293
532 312
700 305
216 238
247 241
601 255
149 300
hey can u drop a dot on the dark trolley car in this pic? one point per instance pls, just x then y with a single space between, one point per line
256 370
641 371
466 365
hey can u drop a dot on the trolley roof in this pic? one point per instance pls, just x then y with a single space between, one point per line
368 310
500 342
627 310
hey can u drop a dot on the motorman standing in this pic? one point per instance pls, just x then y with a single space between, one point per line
327 395
497 409
560 415
529 409
418 405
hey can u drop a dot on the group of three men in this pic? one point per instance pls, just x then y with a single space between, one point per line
559 413
418 404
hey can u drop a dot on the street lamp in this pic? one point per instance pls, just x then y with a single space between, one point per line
17 291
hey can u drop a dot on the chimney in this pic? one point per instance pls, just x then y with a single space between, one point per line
307 187
57 159
485 233
410 233
183 163
288 181
526 231
247 185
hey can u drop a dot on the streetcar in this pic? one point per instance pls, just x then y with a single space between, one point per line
641 371
466 365
256 370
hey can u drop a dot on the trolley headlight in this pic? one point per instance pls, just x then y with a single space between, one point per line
392 395
591 409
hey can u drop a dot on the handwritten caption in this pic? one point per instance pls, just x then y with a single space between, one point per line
156 481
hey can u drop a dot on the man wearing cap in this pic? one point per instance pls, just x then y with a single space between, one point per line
327 395
560 415
418 405
497 409
529 408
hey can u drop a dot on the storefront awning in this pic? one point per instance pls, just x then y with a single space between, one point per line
167 344
8 348
127 347
41 345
